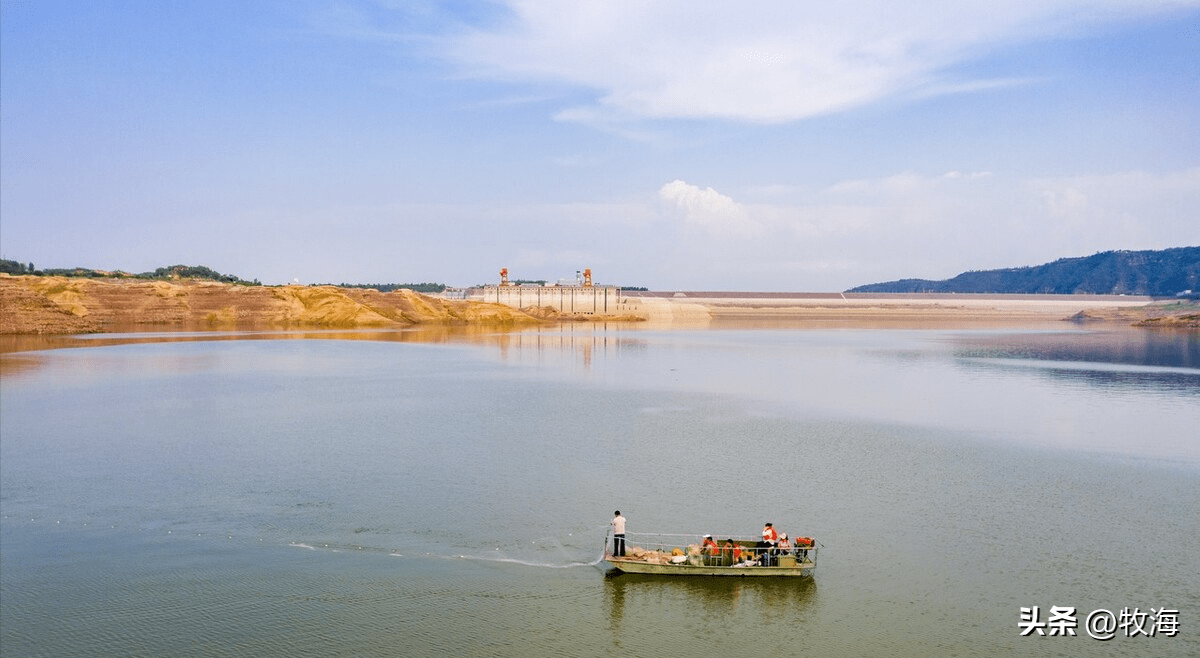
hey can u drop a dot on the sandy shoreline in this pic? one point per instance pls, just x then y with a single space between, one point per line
895 310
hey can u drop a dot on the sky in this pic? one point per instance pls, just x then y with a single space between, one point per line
757 145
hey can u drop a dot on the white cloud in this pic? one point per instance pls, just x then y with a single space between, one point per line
706 207
763 60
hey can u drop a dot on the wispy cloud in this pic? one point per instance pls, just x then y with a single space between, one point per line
763 60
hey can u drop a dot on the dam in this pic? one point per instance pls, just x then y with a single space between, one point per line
580 296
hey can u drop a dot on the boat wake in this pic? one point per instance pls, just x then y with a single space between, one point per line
546 553
528 563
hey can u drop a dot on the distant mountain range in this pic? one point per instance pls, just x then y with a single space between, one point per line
1162 273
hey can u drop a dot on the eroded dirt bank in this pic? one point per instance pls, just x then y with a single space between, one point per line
61 305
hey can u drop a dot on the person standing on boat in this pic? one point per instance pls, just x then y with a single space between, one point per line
618 525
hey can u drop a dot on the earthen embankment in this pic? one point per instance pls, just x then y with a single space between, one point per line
62 305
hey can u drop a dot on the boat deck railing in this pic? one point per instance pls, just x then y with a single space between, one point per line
730 550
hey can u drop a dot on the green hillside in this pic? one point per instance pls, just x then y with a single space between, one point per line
1166 272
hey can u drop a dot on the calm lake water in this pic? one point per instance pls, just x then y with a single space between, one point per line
383 494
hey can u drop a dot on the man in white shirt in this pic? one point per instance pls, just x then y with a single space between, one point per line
618 524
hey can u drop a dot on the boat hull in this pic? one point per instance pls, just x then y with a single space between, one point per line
627 565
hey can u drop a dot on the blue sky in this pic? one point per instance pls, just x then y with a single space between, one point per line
700 145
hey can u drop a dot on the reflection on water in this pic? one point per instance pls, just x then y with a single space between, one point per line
731 610
421 334
1180 381
1169 348
16 364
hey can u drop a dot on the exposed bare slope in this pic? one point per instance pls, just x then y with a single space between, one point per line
55 305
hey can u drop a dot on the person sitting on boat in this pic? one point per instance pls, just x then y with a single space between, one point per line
709 549
785 546
731 553
769 535
802 546
765 548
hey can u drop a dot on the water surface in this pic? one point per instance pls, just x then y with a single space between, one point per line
369 494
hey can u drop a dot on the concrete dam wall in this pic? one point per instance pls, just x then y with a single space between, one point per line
587 300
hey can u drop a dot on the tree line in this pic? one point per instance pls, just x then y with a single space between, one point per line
389 287
170 272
